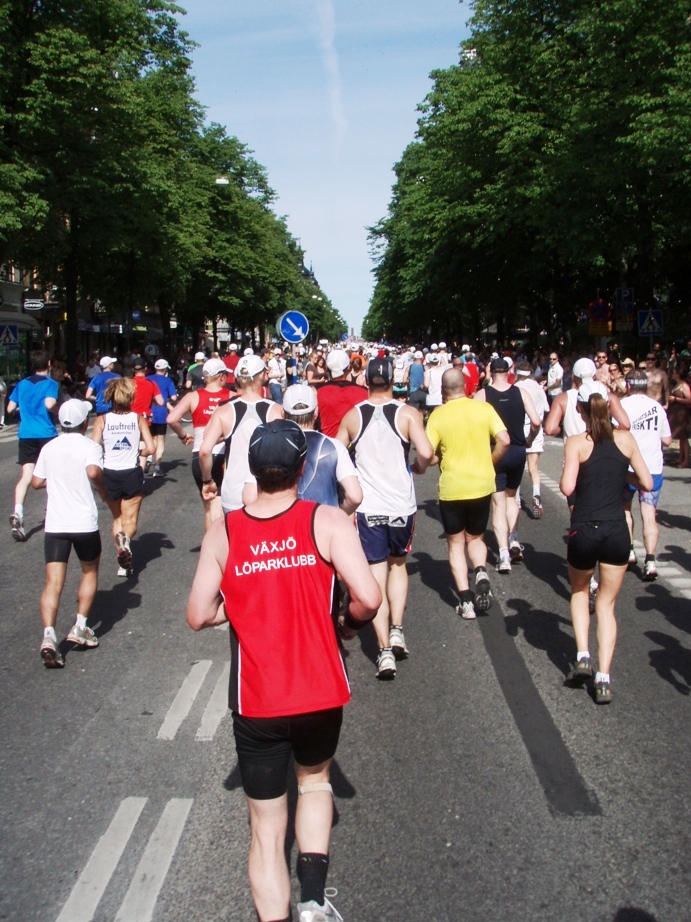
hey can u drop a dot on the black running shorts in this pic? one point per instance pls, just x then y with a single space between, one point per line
265 746
217 466
598 542
124 484
158 428
57 547
468 515
30 449
509 469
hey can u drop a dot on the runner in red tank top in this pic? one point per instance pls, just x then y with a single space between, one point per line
288 682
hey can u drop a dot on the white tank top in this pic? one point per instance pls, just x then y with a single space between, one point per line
381 459
120 441
573 421
434 395
248 415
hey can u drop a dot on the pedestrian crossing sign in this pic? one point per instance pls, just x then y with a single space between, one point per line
9 335
650 323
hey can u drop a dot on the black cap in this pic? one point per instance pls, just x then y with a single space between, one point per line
379 371
499 365
138 362
280 444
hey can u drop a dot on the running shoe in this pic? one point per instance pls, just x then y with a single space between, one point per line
82 636
466 610
122 543
649 571
504 565
515 550
311 911
17 527
125 571
581 672
603 693
397 643
632 558
386 665
157 472
50 654
592 594
483 595
537 507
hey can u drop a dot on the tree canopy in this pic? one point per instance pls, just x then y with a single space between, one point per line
109 177
550 165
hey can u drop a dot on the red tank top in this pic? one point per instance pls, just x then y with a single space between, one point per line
208 401
278 594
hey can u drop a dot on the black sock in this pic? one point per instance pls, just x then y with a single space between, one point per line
649 557
465 595
312 871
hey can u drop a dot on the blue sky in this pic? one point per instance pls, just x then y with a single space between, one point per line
324 92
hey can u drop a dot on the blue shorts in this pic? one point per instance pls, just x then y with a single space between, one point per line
651 498
384 536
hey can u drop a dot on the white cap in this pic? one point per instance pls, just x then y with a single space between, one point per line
161 364
337 362
584 368
590 387
199 356
233 347
249 366
418 355
465 347
433 347
433 358
72 413
213 367
508 360
248 351
106 361
442 345
300 399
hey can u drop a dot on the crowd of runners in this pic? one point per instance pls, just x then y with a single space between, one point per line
334 427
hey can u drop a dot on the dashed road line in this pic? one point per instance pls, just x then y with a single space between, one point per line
140 899
92 882
216 709
184 700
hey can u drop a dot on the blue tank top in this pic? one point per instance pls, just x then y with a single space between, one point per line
416 376
318 482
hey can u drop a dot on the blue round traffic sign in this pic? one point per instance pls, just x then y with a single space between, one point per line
292 326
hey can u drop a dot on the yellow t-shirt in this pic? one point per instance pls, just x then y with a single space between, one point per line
462 428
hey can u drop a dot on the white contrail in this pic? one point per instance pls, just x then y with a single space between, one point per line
326 16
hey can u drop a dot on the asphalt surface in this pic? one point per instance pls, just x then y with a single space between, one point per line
473 787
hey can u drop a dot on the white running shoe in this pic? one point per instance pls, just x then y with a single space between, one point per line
82 636
386 665
17 527
466 610
515 550
397 643
503 565
124 553
123 571
649 571
313 912
51 655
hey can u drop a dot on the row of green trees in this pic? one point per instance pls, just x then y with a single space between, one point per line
108 174
550 167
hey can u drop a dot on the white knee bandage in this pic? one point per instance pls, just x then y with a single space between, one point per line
311 788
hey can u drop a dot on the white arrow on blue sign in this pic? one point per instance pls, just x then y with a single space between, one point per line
292 326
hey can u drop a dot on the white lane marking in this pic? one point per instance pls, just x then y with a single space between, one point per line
683 583
216 709
184 700
140 899
87 892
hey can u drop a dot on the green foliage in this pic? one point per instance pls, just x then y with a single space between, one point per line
108 176
553 161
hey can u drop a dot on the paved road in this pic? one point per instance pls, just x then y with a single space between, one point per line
474 787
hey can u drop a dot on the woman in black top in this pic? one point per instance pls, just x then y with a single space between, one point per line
596 467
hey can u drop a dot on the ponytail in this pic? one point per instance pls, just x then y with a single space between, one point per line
597 409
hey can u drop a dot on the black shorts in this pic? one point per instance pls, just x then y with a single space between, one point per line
30 449
418 399
124 484
265 746
217 465
468 515
598 542
57 547
158 428
509 469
